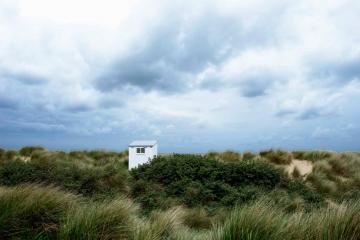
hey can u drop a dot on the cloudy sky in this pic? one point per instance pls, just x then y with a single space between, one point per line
195 75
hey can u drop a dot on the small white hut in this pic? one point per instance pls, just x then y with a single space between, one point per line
141 152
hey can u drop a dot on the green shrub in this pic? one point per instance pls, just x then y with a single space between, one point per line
84 179
16 172
242 195
178 167
197 180
298 187
152 200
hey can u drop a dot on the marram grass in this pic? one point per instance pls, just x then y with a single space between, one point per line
38 212
31 211
88 202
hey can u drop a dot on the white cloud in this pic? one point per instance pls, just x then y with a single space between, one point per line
228 70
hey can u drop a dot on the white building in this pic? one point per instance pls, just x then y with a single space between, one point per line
141 152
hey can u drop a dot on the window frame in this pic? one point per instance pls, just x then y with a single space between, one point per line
140 150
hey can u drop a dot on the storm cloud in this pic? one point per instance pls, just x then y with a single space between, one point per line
196 76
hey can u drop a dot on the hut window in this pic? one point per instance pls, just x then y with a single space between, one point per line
140 150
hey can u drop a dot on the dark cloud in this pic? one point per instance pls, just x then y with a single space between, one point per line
310 114
341 71
284 112
252 83
75 108
23 77
178 50
256 86
8 103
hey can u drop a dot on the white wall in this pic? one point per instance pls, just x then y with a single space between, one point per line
135 159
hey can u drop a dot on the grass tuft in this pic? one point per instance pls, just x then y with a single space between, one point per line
100 220
31 211
277 156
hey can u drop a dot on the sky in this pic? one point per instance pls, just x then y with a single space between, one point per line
194 75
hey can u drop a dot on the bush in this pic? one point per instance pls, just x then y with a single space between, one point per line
197 180
167 170
242 195
87 180
16 172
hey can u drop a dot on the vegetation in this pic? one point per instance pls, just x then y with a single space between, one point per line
201 181
277 156
91 195
77 172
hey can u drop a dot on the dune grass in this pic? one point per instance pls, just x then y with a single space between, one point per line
90 195
312 155
31 211
255 221
85 173
263 220
226 156
277 156
100 220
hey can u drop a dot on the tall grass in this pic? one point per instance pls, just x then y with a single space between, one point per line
226 156
337 177
100 220
30 211
313 155
29 151
256 221
37 212
100 177
277 156
285 208
197 218
262 220
2 154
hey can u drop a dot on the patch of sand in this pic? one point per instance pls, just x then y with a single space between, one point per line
305 167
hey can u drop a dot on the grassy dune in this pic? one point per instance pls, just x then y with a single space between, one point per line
222 195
